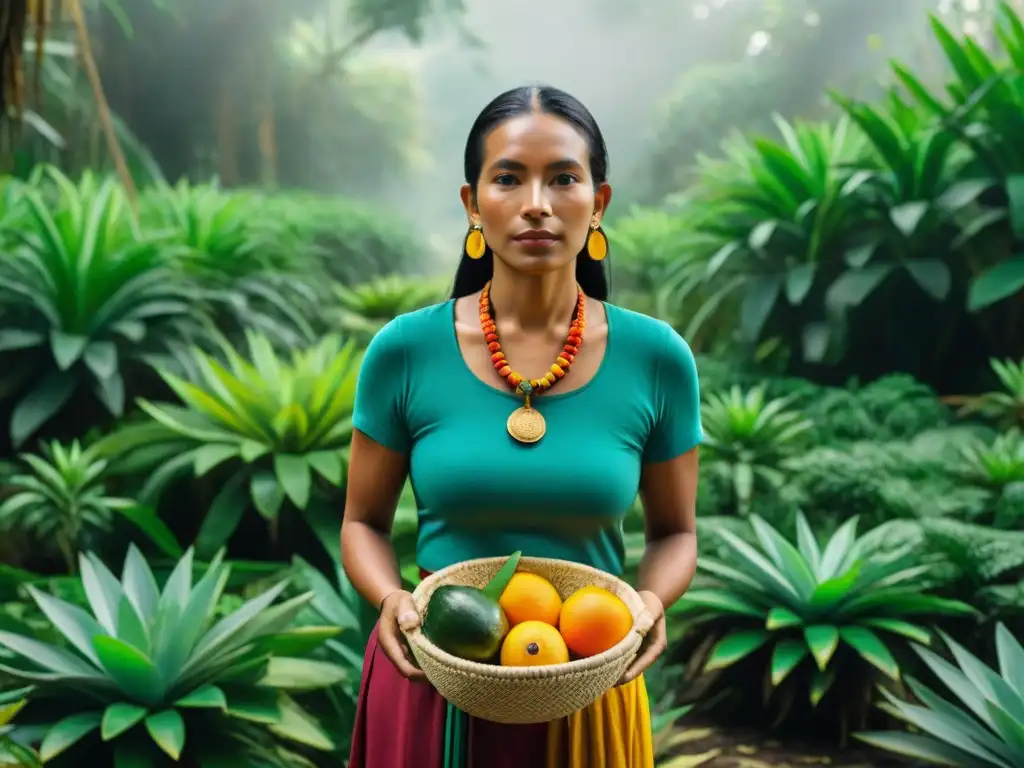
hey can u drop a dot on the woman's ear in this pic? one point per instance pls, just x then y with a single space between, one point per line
468 201
602 199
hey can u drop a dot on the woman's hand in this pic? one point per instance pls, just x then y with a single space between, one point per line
655 641
398 614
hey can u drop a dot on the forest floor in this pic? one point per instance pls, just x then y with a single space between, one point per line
705 746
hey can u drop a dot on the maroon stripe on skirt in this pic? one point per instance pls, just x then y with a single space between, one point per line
400 724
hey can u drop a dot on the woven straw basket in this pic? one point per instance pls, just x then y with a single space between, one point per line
526 694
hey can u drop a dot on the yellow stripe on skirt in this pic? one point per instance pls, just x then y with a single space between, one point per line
613 732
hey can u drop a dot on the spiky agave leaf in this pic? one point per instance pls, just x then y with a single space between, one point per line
985 729
807 602
156 658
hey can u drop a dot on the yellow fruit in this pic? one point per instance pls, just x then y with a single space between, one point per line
533 644
594 620
529 597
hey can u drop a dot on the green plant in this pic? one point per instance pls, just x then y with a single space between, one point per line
747 437
83 295
773 216
364 309
1006 407
919 208
12 753
985 729
148 673
830 613
998 467
63 501
982 104
270 424
250 274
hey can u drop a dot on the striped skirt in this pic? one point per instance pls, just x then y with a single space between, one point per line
400 724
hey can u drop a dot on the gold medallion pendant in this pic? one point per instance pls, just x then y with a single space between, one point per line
526 424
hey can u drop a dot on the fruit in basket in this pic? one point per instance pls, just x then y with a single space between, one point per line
593 620
530 597
533 644
465 622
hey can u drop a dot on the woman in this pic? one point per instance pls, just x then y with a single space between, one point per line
528 413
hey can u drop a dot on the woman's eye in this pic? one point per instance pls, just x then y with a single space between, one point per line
505 179
565 179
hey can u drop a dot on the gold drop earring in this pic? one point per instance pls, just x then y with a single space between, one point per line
597 243
475 243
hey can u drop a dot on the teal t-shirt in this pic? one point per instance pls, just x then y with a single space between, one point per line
482 494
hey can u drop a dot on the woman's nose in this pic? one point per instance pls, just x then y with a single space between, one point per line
536 205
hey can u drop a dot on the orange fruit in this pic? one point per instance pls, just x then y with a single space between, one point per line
594 620
529 597
533 644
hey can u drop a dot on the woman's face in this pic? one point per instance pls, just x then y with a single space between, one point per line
535 197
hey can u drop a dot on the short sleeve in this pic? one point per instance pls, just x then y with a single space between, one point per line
677 426
379 411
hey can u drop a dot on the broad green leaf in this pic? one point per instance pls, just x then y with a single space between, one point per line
917 746
762 293
67 733
1011 730
120 717
167 729
130 627
992 685
822 639
834 590
938 722
212 455
49 657
911 631
781 618
102 590
302 674
101 358
43 402
786 557
1002 281
328 465
871 648
132 671
852 287
786 656
223 517
66 348
774 579
718 600
156 530
907 217
1011 658
808 544
735 647
77 626
267 493
293 474
932 275
299 641
257 705
140 585
207 697
298 726
820 685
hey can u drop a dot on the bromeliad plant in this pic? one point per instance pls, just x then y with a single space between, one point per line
748 437
83 293
148 674
271 425
985 729
823 613
61 500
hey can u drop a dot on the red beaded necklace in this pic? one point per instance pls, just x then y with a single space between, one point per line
526 424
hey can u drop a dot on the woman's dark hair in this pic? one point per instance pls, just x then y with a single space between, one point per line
472 274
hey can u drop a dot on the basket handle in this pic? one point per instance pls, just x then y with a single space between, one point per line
643 623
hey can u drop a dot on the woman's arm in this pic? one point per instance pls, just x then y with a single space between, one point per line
668 490
375 479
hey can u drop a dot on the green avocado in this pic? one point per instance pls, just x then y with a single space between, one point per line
465 622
